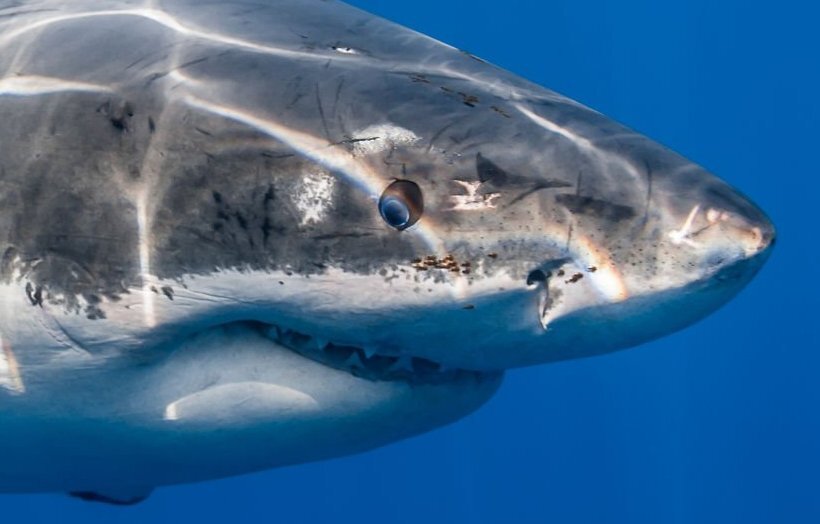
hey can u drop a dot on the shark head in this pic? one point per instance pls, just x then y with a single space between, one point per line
481 240
320 236
468 223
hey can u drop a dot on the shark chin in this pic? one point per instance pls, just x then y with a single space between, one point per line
230 393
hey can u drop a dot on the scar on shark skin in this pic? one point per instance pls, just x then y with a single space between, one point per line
472 201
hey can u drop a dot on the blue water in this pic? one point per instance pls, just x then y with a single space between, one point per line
716 424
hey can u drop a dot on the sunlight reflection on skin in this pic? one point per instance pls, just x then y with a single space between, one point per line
332 157
336 53
239 400
10 378
42 85
145 261
582 143
607 279
170 22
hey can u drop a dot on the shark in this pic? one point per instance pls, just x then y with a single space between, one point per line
241 235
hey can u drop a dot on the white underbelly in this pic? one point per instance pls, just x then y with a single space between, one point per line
224 402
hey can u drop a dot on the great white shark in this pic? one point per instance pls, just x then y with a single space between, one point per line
238 235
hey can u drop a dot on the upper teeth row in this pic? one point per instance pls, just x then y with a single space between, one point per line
364 362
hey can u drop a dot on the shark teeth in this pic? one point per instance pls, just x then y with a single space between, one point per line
353 361
365 362
403 363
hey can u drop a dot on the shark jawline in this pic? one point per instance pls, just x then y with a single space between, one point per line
364 364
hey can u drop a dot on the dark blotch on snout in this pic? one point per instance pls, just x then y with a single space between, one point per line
584 205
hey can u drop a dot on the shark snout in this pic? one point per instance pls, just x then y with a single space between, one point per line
706 223
745 223
757 234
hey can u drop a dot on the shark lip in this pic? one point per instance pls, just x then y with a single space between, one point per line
365 364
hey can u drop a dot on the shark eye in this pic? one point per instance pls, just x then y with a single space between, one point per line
401 204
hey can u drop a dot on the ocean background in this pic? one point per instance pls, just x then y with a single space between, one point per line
719 423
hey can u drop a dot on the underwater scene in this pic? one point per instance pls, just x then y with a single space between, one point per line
453 261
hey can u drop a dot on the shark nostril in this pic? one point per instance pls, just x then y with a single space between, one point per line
536 276
715 260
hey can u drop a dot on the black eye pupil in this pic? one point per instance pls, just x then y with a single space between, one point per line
394 212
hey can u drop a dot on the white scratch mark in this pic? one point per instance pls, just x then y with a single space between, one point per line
378 138
345 50
681 236
314 196
472 200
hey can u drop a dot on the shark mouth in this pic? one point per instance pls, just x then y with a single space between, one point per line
366 364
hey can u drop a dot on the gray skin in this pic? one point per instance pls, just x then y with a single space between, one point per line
190 213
